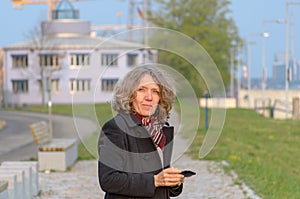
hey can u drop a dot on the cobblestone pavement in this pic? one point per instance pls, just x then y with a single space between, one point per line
82 182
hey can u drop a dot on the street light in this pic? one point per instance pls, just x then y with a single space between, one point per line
239 48
49 90
249 66
287 70
264 69
232 53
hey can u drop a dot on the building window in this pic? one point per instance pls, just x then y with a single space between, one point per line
108 84
80 85
77 60
54 85
132 59
20 86
19 61
109 59
49 60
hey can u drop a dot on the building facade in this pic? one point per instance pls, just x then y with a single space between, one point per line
67 63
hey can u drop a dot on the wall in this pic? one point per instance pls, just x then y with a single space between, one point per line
273 98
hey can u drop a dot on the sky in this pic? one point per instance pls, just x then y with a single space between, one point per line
248 15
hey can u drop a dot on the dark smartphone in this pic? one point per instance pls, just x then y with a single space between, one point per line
188 173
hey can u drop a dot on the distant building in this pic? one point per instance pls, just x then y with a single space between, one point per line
77 66
279 71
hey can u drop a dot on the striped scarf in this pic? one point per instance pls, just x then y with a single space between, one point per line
154 127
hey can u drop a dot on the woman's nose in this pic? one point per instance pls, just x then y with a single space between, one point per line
148 95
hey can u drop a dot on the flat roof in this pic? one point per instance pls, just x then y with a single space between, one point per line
71 41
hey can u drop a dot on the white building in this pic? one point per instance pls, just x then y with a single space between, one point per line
80 67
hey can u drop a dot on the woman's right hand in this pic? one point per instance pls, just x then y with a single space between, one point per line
168 177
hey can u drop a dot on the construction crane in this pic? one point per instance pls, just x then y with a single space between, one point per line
20 3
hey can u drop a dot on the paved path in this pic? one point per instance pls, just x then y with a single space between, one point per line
16 141
82 182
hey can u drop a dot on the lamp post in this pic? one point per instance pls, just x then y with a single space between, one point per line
49 89
264 71
249 63
287 69
286 59
264 35
231 71
238 75
232 60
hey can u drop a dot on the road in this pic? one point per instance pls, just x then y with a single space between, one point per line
16 141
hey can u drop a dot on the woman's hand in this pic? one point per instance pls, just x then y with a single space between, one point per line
168 177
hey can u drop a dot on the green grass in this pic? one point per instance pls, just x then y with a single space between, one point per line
263 152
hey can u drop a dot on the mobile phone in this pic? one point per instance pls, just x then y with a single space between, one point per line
187 173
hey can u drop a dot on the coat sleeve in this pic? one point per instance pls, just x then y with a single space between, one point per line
175 191
112 157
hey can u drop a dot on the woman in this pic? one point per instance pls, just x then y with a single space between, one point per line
135 147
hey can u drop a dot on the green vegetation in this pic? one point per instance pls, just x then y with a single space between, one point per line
209 23
263 152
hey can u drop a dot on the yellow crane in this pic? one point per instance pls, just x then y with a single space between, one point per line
20 3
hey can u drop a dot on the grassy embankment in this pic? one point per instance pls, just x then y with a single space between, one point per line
263 152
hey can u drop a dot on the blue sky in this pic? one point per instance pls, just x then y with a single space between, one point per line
248 15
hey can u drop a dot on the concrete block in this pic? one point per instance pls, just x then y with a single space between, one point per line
58 160
35 173
12 184
20 180
3 190
27 193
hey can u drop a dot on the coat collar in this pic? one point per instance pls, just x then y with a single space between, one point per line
130 119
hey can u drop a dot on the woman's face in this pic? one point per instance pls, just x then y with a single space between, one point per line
147 96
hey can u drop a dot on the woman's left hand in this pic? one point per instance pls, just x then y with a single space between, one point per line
168 177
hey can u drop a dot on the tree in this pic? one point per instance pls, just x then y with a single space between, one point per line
207 22
38 43
39 70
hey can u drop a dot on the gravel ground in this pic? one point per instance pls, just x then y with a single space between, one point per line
82 182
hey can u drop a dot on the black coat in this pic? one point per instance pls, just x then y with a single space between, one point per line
128 160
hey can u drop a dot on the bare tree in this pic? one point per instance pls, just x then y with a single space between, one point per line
39 68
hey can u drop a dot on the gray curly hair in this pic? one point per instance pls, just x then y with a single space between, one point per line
125 90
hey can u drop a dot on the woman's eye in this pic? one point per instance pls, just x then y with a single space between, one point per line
140 89
156 91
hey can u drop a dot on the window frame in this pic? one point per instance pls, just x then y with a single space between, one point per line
18 59
131 56
109 59
78 60
50 60
79 85
20 86
108 84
